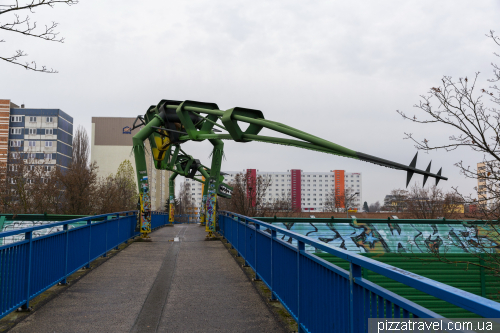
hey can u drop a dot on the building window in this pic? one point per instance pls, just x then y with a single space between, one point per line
48 120
47 156
15 156
47 168
49 131
16 119
16 131
32 119
13 167
15 143
31 156
32 131
31 167
13 181
30 181
31 143
48 143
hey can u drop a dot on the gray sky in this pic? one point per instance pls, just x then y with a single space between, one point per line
336 69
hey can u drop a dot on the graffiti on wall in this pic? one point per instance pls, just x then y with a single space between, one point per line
396 237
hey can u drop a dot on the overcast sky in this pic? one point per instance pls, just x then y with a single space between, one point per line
336 69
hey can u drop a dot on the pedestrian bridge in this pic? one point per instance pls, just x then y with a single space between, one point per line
181 283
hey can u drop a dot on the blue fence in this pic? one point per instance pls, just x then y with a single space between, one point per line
158 219
161 218
31 266
323 297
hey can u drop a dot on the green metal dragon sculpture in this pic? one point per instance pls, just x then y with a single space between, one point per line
171 123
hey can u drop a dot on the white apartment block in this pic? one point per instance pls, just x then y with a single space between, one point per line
308 190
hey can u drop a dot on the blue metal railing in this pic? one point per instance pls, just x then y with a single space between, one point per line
31 266
323 297
161 218
158 219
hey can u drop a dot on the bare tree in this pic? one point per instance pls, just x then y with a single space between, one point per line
20 22
248 196
29 185
35 186
116 193
281 204
432 203
470 111
336 201
126 188
79 180
374 207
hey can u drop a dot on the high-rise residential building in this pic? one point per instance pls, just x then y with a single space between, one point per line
39 136
111 144
308 191
196 191
485 187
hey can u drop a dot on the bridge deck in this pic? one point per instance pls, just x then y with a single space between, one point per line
187 286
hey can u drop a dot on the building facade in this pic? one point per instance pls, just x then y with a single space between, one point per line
111 144
308 191
39 136
196 191
488 188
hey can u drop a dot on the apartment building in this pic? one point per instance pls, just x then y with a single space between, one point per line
39 136
196 192
487 190
111 144
308 190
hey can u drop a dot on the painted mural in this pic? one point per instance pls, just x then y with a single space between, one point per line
145 209
396 237
210 207
203 209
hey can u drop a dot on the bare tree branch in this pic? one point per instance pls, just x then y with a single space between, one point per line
27 28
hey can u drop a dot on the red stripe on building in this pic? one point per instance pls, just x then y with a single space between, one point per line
251 178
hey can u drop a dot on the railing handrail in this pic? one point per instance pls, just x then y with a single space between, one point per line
369 220
56 224
461 298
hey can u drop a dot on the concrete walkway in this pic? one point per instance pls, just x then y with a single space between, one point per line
160 286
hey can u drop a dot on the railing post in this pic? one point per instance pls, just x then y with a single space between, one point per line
66 231
232 233
106 240
238 247
28 236
300 247
273 241
355 300
119 240
89 223
245 264
257 276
